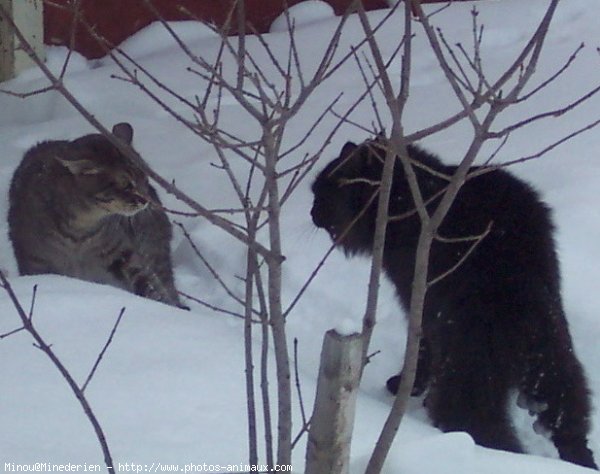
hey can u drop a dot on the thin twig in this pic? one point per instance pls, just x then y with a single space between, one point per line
32 305
476 240
216 309
338 239
10 333
297 383
550 114
103 351
305 422
212 271
555 76
47 349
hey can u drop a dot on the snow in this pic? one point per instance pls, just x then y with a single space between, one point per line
302 14
155 38
171 387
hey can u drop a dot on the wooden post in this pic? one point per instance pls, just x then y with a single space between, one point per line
28 16
330 434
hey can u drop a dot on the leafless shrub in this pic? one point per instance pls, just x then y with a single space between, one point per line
270 100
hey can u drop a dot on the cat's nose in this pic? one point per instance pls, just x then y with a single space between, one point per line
139 199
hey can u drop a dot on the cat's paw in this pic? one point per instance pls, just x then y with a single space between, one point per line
393 384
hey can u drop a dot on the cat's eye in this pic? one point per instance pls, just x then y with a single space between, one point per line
127 186
122 183
114 186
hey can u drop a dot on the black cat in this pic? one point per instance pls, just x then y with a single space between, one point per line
493 325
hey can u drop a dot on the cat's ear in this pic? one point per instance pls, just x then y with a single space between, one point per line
76 166
380 141
377 149
124 131
348 150
353 158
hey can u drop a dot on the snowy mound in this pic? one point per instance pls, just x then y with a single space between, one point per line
302 14
155 37
171 386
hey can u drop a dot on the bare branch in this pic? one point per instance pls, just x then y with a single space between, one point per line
212 271
555 76
47 349
476 240
214 308
550 114
486 169
305 420
251 271
25 95
103 351
10 333
338 239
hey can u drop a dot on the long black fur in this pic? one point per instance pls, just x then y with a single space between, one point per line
493 325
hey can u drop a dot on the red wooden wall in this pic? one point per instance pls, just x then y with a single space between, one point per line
116 20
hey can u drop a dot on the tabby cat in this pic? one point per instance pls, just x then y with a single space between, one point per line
494 325
80 208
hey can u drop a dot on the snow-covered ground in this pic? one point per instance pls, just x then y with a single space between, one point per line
171 387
